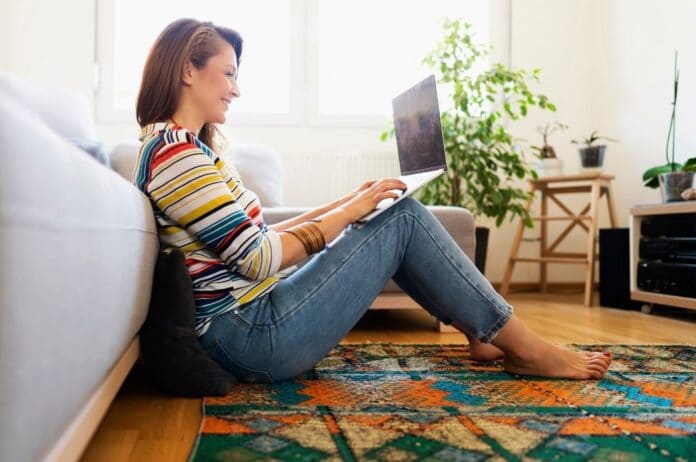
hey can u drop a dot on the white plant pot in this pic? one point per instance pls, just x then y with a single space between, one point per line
549 167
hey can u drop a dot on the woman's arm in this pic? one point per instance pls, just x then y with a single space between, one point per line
305 217
333 222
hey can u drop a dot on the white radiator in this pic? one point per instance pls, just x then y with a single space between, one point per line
315 179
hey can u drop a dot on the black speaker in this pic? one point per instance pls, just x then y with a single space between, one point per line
614 269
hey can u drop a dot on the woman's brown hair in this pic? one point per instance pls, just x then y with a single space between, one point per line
183 41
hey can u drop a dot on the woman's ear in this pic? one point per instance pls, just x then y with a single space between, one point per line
187 74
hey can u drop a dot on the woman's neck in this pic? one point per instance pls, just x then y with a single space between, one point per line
186 117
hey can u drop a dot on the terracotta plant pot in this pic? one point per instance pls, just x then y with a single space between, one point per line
672 184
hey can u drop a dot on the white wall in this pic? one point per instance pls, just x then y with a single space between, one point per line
607 64
50 42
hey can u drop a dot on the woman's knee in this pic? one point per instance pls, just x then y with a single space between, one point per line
412 205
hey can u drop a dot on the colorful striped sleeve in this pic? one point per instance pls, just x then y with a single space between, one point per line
187 187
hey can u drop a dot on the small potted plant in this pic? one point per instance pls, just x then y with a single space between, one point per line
592 155
673 177
548 164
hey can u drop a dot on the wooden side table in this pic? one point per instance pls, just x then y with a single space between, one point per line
597 185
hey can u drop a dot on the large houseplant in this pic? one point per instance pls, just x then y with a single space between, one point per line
672 177
484 163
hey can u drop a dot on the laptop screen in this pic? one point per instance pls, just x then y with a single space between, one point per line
418 131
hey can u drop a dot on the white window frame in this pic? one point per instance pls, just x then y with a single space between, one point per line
304 104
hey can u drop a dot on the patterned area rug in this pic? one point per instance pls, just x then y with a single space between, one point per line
430 402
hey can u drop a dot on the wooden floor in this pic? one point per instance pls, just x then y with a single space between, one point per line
143 424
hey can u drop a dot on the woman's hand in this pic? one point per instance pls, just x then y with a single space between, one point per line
360 188
369 194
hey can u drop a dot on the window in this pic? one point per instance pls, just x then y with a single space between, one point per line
367 51
129 27
313 62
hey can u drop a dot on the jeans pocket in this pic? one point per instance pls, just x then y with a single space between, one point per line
241 372
252 313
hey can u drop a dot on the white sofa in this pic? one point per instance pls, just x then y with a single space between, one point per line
78 245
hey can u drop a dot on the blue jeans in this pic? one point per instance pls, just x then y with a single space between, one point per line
287 331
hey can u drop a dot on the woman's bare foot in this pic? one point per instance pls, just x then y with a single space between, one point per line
528 354
483 352
552 361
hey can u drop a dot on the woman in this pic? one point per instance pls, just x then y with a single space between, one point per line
258 315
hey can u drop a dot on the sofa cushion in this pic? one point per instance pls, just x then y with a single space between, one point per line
258 165
67 112
77 253
94 148
174 360
123 157
261 170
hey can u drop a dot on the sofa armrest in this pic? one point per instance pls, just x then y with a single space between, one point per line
459 223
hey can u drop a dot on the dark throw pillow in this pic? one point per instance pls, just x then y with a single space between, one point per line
173 359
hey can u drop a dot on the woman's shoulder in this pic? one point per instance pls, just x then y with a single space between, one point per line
164 134
161 139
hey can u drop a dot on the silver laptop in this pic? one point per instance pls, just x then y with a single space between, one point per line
418 140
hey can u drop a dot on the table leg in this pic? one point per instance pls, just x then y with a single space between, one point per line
589 273
505 287
612 206
543 250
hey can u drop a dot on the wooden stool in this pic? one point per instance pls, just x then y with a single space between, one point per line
597 184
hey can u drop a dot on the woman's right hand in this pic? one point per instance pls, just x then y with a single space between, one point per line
366 200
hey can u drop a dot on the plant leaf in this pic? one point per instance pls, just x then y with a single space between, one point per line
689 165
650 176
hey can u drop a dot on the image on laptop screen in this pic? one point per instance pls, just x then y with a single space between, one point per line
417 126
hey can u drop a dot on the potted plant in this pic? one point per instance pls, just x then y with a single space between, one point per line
592 155
672 177
484 163
548 164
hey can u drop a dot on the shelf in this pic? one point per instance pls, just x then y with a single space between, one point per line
664 299
580 261
570 178
638 213
664 209
566 218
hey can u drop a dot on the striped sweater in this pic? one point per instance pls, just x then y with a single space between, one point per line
202 208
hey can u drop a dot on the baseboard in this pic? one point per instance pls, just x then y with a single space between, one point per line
74 440
550 286
401 301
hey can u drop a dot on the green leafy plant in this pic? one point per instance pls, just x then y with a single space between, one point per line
651 175
546 151
484 162
590 140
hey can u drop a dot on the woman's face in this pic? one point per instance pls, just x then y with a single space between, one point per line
215 85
